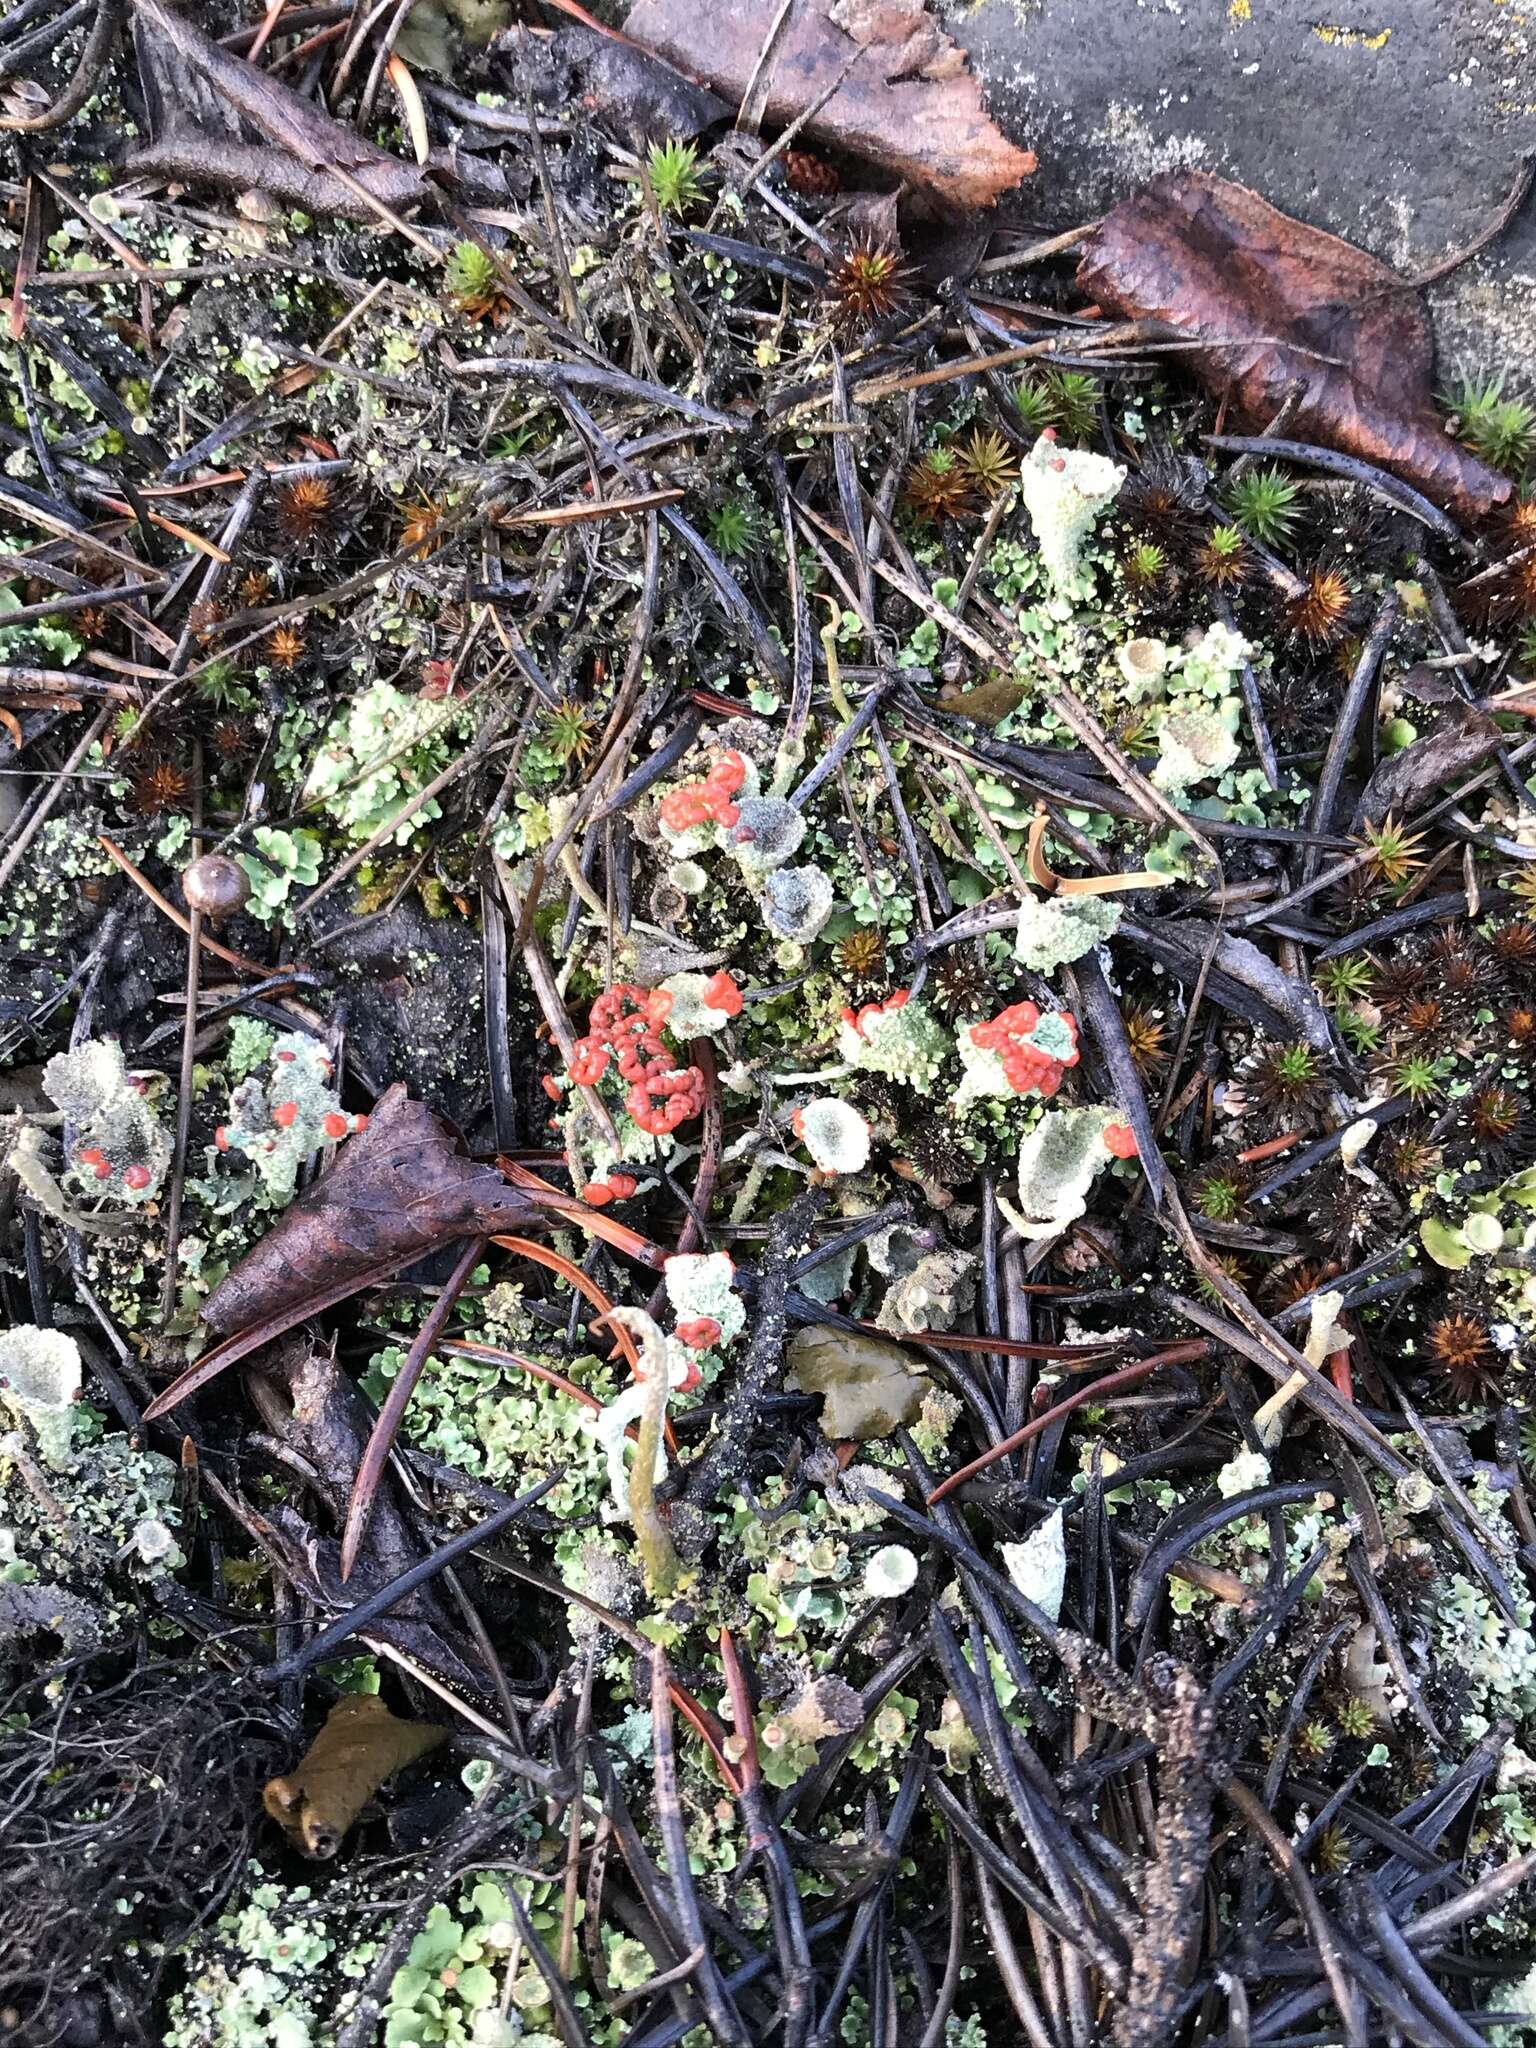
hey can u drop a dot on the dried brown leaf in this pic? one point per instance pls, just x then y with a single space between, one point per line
909 104
1281 305
871 1387
398 1190
825 1706
1460 740
173 49
360 1746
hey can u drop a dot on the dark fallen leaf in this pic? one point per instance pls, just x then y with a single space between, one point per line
397 1191
871 1387
985 703
633 94
908 104
311 1563
1279 305
1238 976
1426 684
1460 740
205 106
825 1706
360 1746
311 1407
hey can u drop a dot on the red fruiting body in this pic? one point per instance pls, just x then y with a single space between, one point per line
623 1185
597 1194
700 1333
665 1097
334 1124
221 1138
1120 1141
551 1087
359 1123
721 993
136 1176
91 1155
285 1115
1030 1068
626 1022
588 1062
854 1019
698 803
436 677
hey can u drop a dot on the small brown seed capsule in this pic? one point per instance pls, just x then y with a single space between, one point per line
216 886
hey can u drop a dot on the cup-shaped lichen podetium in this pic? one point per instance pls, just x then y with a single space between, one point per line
40 1384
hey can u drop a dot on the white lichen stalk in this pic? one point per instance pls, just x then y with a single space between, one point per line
1064 491
40 1385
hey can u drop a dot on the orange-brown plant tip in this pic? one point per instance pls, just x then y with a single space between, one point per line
1412 1159
1515 942
1495 1112
937 487
1422 1017
1146 1034
868 283
1297 1283
861 952
1463 1353
417 530
158 788
304 506
1520 522
228 739
811 176
285 646
1222 559
1509 594
1520 1023
1321 610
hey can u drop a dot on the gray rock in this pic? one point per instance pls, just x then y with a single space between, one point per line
1400 129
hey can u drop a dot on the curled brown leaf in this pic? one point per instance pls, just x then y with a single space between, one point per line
1281 308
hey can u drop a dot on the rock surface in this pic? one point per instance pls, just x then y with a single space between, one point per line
1396 123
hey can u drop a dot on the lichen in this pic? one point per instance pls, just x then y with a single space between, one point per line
1065 490
934 1295
899 1038
1053 931
279 1122
797 903
39 1385
1058 1163
119 1145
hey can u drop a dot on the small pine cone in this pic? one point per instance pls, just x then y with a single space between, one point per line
811 176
